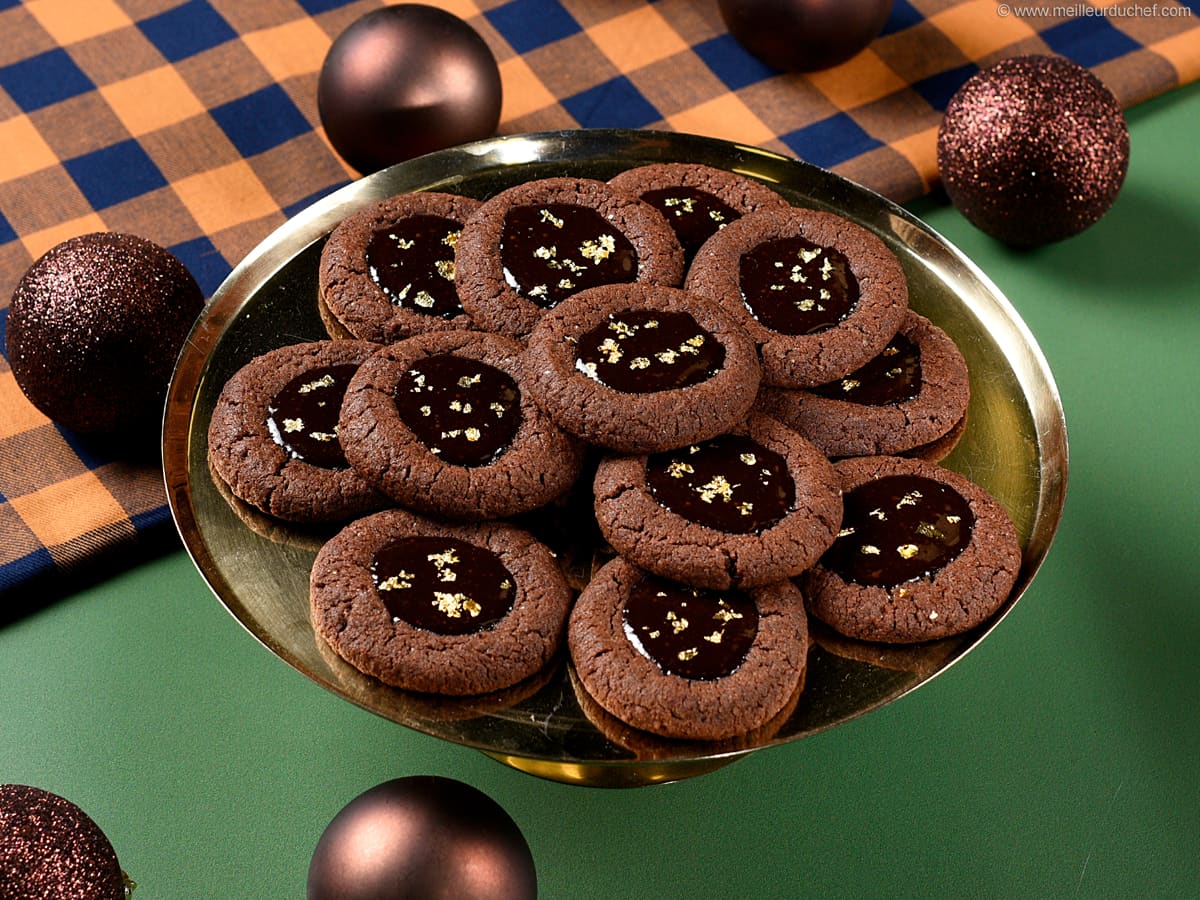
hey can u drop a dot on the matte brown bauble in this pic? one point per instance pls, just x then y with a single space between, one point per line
94 329
51 849
1033 149
422 836
406 80
804 35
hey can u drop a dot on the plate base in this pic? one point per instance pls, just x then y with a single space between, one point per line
613 776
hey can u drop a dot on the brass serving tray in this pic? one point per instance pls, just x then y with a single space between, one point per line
1015 446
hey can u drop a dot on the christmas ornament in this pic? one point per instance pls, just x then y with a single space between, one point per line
51 849
804 35
406 80
1033 149
422 836
95 327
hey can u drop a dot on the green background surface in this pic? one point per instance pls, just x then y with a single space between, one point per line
1058 759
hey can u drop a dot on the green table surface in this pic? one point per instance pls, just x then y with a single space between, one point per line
1058 759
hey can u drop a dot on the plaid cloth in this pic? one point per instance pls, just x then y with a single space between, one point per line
194 124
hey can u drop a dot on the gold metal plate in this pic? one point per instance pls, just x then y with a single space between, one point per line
1015 446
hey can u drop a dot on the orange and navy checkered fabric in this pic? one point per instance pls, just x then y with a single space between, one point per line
193 123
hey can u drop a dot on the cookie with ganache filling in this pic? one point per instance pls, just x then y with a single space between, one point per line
819 294
533 245
409 706
922 553
902 402
641 368
443 424
621 740
274 440
430 606
754 505
696 200
681 662
387 271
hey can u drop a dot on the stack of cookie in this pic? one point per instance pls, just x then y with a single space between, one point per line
723 396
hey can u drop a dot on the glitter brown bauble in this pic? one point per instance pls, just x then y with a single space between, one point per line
50 849
422 836
406 80
1033 149
94 329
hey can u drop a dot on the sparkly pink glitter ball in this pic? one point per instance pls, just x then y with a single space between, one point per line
1033 149
50 849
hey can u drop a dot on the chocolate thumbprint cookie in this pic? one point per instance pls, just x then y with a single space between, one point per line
697 201
686 663
754 505
439 608
922 553
911 399
443 424
820 295
274 438
387 271
641 368
533 245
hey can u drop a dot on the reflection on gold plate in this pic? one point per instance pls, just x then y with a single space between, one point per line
1015 446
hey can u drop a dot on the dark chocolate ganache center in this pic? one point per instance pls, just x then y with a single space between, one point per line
412 261
702 635
730 483
693 214
642 351
303 417
893 376
553 250
466 412
442 585
794 286
899 528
